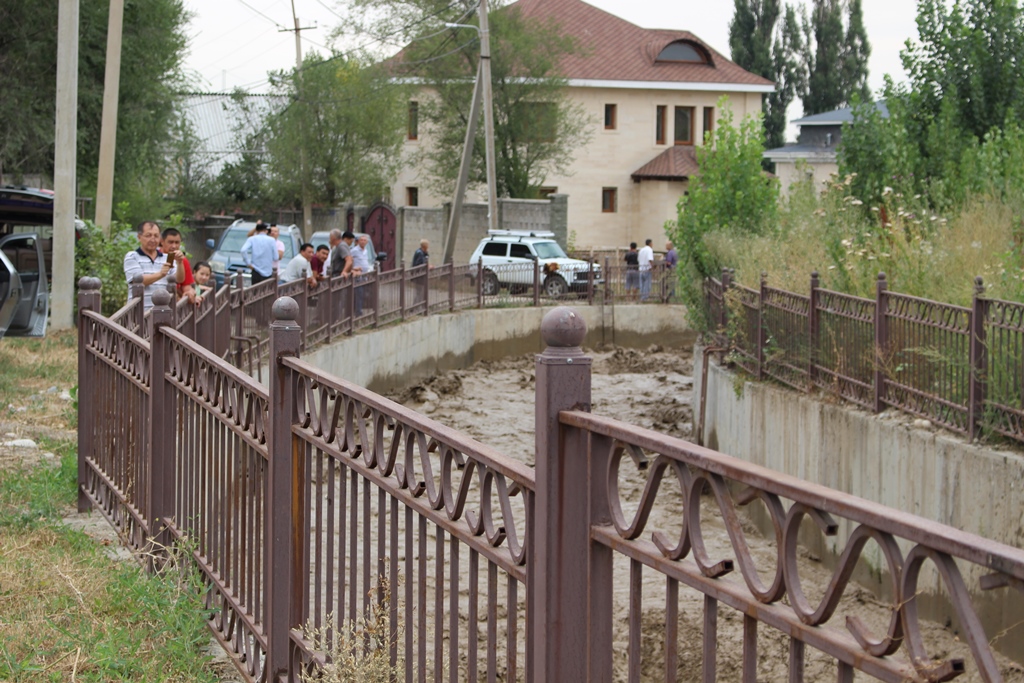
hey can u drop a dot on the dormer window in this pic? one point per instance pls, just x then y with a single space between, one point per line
683 51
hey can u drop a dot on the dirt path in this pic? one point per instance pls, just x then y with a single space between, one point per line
494 402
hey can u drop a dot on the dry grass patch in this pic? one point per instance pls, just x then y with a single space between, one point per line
33 374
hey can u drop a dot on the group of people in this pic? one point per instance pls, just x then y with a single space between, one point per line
640 270
162 264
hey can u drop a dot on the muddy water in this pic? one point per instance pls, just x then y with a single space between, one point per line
494 402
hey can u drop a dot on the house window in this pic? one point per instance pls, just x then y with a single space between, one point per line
659 125
412 196
684 125
709 118
609 117
414 120
609 200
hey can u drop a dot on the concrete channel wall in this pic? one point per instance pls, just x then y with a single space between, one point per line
404 353
890 459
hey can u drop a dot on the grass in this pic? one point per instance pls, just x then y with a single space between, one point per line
32 366
923 254
68 611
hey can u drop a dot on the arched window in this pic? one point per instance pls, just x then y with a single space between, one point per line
683 51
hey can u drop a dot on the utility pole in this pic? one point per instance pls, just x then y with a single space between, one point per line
307 208
482 87
108 128
64 160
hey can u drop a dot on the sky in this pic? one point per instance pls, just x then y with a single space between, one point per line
234 43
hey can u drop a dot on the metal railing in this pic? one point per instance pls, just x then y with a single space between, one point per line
959 367
302 502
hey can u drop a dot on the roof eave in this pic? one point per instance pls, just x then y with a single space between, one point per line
671 85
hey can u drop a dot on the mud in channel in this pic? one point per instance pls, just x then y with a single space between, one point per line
494 402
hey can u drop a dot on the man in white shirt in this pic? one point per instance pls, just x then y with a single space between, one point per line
299 267
157 268
645 260
275 232
361 257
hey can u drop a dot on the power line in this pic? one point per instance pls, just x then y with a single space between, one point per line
324 5
275 23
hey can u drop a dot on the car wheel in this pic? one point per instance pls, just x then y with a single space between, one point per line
555 287
491 286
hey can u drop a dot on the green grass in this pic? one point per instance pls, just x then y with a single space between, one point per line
67 610
29 368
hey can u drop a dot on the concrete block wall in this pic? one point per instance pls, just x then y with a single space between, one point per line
882 458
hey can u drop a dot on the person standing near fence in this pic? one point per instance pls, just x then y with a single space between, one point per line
632 275
645 261
156 268
275 232
362 267
422 255
259 252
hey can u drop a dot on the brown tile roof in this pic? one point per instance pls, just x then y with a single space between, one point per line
678 162
614 49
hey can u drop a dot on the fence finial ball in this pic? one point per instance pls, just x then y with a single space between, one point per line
562 327
161 297
89 283
285 309
137 279
979 285
881 276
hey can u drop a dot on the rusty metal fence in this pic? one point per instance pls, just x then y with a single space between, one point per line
313 505
959 367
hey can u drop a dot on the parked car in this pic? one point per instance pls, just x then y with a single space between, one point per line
26 210
508 258
24 289
227 260
322 237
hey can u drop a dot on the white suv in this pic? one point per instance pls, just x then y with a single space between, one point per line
508 258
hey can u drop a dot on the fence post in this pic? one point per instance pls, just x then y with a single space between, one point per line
480 283
451 287
536 283
352 304
375 294
89 299
881 340
590 283
240 321
979 359
812 331
761 337
137 290
401 293
557 585
723 321
426 290
160 486
326 307
282 550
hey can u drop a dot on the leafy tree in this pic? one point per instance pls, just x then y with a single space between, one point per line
537 129
761 46
151 75
731 194
835 57
347 119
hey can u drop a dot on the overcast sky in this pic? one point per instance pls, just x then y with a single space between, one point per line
234 43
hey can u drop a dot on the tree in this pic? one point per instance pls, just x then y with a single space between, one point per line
151 75
731 194
835 57
771 51
347 118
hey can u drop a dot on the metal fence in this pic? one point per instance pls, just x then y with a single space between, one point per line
960 367
312 505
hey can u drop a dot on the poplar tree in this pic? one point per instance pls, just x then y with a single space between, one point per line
760 45
835 55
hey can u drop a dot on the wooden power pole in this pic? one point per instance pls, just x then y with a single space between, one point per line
65 158
108 128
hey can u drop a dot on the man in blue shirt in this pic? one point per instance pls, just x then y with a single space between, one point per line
259 252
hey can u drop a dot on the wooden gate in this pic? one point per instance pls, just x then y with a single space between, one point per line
380 224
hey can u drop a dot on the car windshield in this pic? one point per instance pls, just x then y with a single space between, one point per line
234 239
549 250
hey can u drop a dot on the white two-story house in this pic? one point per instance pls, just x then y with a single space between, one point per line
651 95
